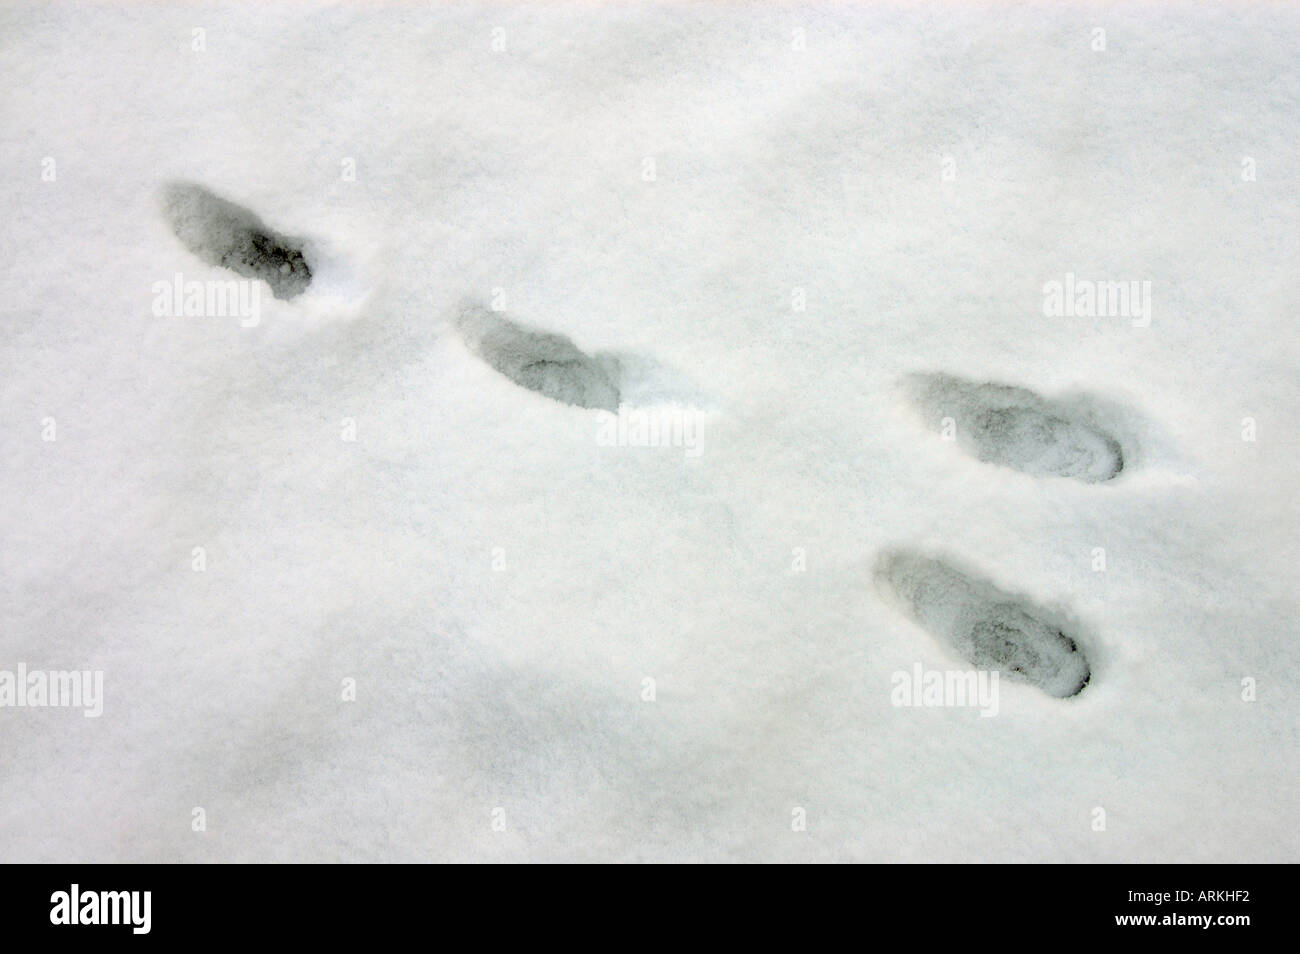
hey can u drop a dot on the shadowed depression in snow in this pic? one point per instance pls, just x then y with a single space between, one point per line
1016 428
985 626
230 236
549 364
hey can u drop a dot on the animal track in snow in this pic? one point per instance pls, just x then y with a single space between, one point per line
1017 428
225 234
549 364
982 624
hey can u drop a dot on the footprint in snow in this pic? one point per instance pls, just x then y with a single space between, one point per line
228 235
982 624
1017 428
549 364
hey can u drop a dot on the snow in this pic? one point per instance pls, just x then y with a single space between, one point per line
768 218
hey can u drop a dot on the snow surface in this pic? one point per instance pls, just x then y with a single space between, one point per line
497 580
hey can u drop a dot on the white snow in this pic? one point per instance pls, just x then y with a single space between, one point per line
775 215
